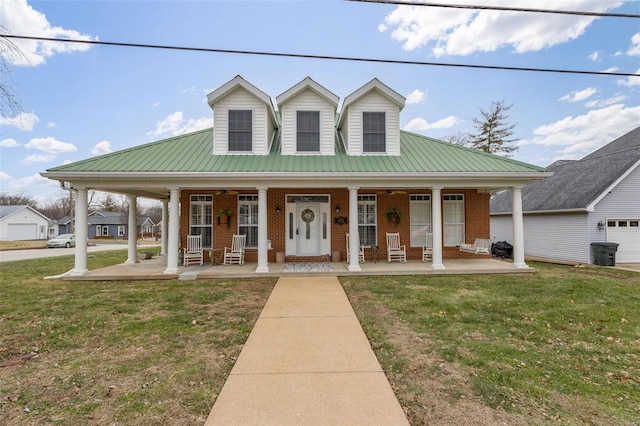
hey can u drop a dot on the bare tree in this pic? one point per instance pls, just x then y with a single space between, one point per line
10 105
493 130
19 199
460 138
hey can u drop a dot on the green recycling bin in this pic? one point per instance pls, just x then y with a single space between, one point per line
604 254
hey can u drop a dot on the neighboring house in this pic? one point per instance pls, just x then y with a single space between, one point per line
22 223
65 226
299 179
595 199
52 229
148 229
105 224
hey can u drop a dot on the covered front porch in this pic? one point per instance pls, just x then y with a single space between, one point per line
154 269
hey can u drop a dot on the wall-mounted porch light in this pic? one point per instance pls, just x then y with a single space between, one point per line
600 226
278 209
337 208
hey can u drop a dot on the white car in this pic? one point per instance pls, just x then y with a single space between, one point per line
64 240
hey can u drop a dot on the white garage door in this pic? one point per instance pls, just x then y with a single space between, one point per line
625 232
22 231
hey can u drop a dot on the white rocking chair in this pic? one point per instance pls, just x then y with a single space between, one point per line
235 253
427 249
360 252
395 251
193 250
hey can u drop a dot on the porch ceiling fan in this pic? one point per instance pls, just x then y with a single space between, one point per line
391 192
225 191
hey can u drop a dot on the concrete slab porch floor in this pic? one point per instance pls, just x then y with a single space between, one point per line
153 269
307 361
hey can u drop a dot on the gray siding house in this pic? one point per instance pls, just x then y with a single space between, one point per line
595 199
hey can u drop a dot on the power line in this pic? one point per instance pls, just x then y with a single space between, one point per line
323 57
500 8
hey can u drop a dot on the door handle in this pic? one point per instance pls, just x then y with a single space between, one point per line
297 233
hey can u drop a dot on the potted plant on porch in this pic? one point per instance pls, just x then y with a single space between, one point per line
224 215
393 215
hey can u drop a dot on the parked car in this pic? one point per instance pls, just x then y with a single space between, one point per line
64 240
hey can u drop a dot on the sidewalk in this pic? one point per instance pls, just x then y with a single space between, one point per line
307 361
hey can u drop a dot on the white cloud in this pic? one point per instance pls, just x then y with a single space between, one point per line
38 158
415 97
579 95
103 147
611 69
155 104
634 50
4 176
631 81
20 18
463 32
23 121
9 143
595 56
50 145
51 124
417 124
577 136
175 125
610 101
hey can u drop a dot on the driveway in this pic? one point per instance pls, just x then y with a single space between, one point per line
11 255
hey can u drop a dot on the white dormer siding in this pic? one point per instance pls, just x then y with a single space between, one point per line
262 130
373 97
240 95
307 101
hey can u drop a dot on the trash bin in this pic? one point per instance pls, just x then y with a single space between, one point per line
604 254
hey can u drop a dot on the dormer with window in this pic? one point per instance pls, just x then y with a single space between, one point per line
370 120
244 120
307 114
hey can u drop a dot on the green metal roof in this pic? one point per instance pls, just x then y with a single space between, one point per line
193 153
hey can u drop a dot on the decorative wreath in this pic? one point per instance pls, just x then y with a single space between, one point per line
308 215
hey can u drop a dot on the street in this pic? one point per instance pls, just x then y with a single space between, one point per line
12 255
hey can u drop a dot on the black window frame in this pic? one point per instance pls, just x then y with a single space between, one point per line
307 131
374 132
240 122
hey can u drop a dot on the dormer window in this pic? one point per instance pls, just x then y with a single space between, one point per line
373 132
308 131
240 130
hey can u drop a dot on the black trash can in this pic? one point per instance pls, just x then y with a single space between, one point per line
604 254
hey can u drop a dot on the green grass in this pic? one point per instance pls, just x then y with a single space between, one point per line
563 343
149 352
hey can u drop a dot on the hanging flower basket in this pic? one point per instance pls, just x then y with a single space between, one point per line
224 215
393 215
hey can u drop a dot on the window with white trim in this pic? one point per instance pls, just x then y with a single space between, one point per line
453 219
240 130
308 131
201 217
367 220
120 231
374 132
248 219
420 218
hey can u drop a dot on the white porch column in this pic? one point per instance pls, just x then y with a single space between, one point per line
165 228
82 232
354 238
174 231
436 220
518 229
263 264
132 231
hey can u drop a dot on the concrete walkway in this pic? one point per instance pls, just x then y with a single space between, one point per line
307 362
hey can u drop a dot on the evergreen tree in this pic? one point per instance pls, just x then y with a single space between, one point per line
493 130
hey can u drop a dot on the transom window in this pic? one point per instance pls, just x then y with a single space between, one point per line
240 130
420 217
248 219
367 220
453 218
374 132
201 218
308 131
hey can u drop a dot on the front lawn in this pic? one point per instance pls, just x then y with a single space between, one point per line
561 345
147 352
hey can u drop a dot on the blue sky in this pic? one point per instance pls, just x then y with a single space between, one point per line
80 101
